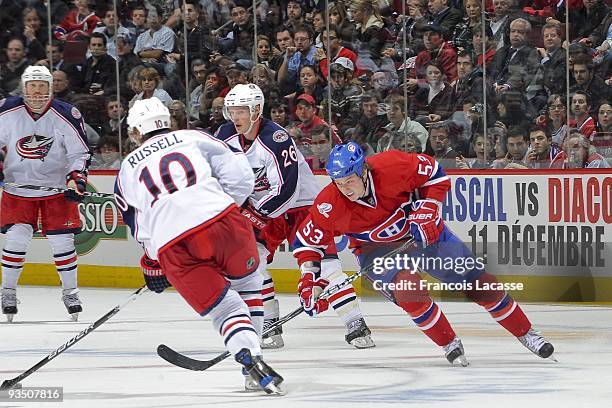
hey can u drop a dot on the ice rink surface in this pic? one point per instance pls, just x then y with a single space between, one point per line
117 365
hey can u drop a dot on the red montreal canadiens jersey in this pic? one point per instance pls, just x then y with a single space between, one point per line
395 179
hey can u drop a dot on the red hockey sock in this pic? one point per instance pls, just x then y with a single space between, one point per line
429 317
509 314
501 306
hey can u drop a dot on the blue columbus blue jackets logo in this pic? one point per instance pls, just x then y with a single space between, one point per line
34 147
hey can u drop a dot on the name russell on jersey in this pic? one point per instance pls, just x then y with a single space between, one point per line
161 144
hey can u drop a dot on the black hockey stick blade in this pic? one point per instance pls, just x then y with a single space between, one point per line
8 384
181 360
188 363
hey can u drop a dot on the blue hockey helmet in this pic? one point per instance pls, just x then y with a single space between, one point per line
344 160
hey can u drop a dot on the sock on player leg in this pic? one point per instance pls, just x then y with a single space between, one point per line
16 244
425 313
431 320
231 318
344 302
65 258
249 289
501 306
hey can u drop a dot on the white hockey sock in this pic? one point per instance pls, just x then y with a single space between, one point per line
231 318
267 290
18 239
65 257
345 301
249 289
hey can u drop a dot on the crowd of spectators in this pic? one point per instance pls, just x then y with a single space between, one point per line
476 83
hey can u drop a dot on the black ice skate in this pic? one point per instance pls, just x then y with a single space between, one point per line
454 353
72 302
259 372
274 340
9 303
537 344
359 334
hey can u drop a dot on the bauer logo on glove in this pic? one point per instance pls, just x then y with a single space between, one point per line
425 221
153 275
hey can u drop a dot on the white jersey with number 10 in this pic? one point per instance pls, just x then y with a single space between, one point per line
177 182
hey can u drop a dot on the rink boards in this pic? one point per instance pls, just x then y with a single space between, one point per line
549 230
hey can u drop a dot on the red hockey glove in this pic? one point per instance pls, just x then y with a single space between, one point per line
310 287
259 221
425 222
76 182
153 275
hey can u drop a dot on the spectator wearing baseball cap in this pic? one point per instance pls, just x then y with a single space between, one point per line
306 112
346 96
435 49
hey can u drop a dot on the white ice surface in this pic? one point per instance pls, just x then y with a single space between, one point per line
117 365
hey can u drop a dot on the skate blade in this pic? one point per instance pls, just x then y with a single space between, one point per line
74 317
9 317
363 342
275 342
460 361
553 358
274 390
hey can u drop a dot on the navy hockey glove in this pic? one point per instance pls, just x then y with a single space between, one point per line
153 275
425 221
77 183
310 287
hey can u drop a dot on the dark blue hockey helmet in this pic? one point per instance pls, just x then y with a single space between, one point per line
344 160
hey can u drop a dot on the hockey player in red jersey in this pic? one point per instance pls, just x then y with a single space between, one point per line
179 193
391 197
45 145
284 190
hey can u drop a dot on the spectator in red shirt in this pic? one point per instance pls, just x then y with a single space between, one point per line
306 112
580 108
336 50
435 49
79 22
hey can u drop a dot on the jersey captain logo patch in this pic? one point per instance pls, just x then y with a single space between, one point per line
324 209
34 147
394 228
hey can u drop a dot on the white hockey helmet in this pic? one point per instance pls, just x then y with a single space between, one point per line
148 115
244 95
37 73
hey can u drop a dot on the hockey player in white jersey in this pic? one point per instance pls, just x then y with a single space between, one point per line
285 188
179 193
45 145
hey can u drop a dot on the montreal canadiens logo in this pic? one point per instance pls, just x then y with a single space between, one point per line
280 136
394 228
34 147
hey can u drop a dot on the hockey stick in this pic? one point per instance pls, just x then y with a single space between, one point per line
181 360
13 382
57 190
